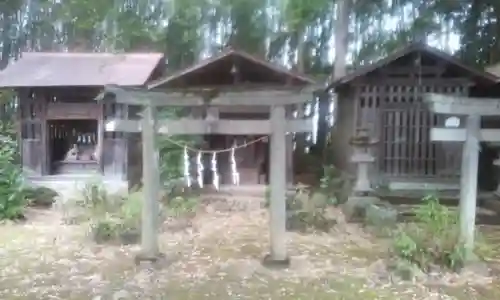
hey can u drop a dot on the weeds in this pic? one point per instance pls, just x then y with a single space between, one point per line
306 209
335 184
117 218
182 207
41 196
433 240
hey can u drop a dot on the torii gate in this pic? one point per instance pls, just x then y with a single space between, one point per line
471 135
277 127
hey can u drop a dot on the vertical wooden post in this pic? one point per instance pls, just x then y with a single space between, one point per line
278 255
100 138
151 181
468 192
44 135
289 152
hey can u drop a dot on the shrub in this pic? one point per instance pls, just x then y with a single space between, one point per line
103 230
182 207
178 188
91 203
433 240
97 200
112 217
13 198
381 218
294 198
355 207
41 196
121 222
306 210
335 184
310 213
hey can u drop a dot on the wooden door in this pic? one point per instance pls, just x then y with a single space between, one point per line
405 149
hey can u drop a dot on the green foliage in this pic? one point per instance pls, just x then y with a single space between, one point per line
172 152
335 184
294 198
433 240
117 218
381 218
300 13
13 198
355 208
41 196
182 207
130 210
103 230
306 210
96 200
310 213
112 218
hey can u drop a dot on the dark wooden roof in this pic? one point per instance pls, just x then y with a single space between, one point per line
51 69
217 70
494 69
475 74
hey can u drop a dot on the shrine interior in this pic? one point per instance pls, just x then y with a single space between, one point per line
72 146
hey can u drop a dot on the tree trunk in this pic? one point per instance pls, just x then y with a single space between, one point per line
341 31
341 38
6 41
300 138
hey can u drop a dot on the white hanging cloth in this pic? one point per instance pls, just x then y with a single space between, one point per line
199 165
215 175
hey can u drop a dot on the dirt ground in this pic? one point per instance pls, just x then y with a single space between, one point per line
218 258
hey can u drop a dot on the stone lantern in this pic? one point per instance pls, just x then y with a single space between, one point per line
363 157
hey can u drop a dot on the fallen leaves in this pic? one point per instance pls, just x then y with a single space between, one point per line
218 258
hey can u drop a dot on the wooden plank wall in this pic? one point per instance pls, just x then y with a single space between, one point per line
395 114
115 145
31 115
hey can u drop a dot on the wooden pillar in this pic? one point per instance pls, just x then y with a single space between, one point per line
289 151
212 115
300 138
278 253
43 101
100 138
468 192
151 182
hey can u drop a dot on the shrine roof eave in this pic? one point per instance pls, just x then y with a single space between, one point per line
51 69
169 81
476 75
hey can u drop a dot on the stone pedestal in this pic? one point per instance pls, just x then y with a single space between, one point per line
363 158
271 263
363 161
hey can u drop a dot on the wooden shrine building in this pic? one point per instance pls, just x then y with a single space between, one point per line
386 98
234 72
60 125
